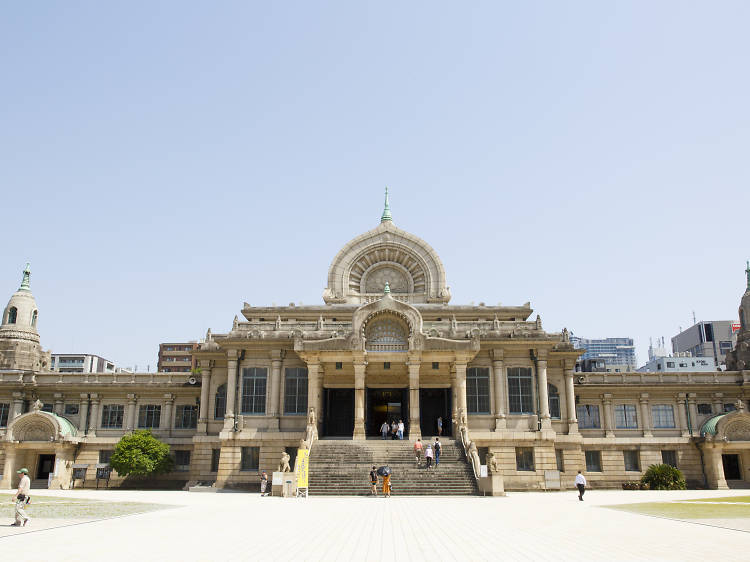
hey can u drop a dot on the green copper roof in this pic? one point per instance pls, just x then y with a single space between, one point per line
26 275
747 272
68 429
387 290
386 216
709 426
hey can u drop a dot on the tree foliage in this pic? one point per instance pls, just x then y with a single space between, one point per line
663 477
141 454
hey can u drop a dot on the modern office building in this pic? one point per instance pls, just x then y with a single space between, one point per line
680 362
81 363
609 355
705 339
176 357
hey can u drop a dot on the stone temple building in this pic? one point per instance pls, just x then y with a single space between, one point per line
385 344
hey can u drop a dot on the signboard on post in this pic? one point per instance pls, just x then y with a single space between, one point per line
301 468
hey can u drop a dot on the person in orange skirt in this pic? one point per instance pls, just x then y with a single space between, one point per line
387 486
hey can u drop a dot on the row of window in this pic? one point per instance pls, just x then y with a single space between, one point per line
149 416
626 415
520 392
253 398
631 459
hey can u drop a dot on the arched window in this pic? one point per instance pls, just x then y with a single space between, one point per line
220 404
386 334
554 401
12 315
33 318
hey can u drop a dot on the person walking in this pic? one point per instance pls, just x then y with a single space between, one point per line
418 450
21 499
400 429
387 486
394 429
440 425
581 485
428 456
374 481
384 430
438 449
263 483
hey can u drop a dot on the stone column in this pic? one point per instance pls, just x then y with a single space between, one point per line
94 417
608 417
543 393
498 376
454 397
570 398
17 405
693 408
715 467
359 399
59 404
461 386
645 417
682 415
166 419
273 408
313 386
415 431
130 419
205 398
9 467
718 403
63 467
231 388
83 411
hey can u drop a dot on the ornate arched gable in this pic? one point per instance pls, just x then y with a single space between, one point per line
411 266
734 426
39 426
388 309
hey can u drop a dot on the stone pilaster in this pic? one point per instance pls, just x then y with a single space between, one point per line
273 407
83 413
543 392
498 377
314 397
682 415
693 409
645 415
165 422
17 405
570 398
130 418
360 368
59 404
608 417
718 402
415 431
231 389
205 397
94 417
460 385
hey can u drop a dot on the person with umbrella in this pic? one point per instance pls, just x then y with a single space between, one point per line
385 472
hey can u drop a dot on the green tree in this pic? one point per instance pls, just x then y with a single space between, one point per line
663 477
141 454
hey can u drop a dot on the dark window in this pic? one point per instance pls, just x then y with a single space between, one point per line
725 346
435 365
34 316
253 390
4 411
105 455
339 365
71 409
250 459
625 416
559 459
112 415
12 315
554 401
519 390
709 328
292 452
705 409
386 365
186 416
663 416
220 403
295 391
182 461
149 415
631 461
729 407
593 461
215 454
525 458
670 364
478 390
588 416
669 457
48 407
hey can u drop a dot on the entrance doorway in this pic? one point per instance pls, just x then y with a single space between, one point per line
731 467
391 404
46 466
339 412
434 403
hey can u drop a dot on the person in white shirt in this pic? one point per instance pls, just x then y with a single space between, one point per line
400 431
581 485
20 498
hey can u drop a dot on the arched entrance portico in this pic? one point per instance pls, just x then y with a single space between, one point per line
725 442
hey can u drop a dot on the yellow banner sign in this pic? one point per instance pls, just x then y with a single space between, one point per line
301 467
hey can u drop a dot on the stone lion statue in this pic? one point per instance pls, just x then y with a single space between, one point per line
284 463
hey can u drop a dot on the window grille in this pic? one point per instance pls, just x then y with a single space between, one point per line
386 334
295 391
254 390
478 390
520 398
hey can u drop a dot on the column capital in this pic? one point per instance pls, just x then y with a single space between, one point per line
232 354
131 398
276 355
19 395
497 354
84 396
691 397
58 395
206 364
607 398
569 365
169 397
94 397
681 396
643 397
541 355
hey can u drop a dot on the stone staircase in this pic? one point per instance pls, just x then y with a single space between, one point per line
342 468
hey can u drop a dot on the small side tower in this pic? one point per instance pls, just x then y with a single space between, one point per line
739 358
19 338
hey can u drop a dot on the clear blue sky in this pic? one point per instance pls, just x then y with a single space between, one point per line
162 162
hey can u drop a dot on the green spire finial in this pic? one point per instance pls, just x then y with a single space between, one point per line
387 290
386 216
26 274
747 272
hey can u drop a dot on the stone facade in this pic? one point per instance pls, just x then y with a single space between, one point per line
385 344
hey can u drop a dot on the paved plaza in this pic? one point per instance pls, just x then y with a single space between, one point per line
239 526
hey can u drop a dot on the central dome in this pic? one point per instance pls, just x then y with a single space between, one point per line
411 267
